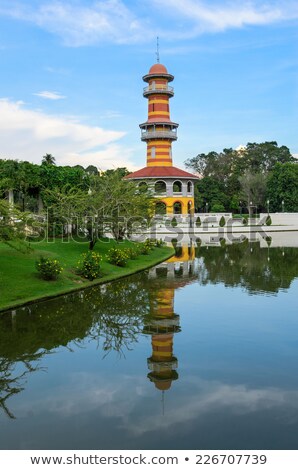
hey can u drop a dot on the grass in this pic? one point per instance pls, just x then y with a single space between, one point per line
20 282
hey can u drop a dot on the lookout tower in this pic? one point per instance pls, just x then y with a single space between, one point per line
173 188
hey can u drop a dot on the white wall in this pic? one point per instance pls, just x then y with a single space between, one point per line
282 218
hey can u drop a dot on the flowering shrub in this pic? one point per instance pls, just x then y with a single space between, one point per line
118 256
49 269
89 265
145 247
159 243
132 252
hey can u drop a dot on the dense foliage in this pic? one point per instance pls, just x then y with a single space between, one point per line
232 179
73 199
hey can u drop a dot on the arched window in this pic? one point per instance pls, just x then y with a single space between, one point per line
177 208
153 152
160 208
143 187
189 186
160 187
177 187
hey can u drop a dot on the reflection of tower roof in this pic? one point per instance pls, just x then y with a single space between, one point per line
162 383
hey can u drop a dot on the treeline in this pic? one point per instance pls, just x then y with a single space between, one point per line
69 200
27 184
259 175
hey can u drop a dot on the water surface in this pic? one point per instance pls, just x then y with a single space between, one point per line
200 352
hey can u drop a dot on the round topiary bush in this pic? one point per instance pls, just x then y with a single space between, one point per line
268 220
222 222
174 222
198 222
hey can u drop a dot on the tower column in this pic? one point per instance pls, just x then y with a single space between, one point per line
158 131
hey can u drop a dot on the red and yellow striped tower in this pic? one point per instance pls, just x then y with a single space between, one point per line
158 131
172 187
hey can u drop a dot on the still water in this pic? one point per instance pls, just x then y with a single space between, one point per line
200 352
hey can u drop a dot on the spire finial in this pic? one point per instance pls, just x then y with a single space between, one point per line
157 49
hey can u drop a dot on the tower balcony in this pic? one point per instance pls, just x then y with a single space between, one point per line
158 89
164 134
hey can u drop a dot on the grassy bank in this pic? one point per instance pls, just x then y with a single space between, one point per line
20 282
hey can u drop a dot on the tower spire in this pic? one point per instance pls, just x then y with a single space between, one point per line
157 49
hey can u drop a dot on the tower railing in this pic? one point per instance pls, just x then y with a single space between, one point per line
159 135
158 89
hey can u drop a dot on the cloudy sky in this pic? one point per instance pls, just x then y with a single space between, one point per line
71 76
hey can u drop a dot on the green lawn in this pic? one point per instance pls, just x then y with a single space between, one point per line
20 283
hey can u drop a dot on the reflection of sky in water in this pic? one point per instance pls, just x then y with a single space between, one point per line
237 388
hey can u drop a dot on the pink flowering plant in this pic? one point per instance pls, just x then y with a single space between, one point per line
89 265
48 268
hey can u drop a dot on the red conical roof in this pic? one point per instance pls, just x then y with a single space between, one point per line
158 68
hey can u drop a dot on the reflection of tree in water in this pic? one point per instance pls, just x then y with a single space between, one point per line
247 265
111 314
123 306
11 381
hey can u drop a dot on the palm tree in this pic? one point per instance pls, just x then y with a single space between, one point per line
48 159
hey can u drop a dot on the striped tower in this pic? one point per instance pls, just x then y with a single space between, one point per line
172 187
158 131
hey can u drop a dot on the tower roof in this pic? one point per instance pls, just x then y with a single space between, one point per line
158 68
161 172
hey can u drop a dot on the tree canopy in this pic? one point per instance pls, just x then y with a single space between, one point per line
239 176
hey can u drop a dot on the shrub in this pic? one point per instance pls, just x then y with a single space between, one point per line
217 208
244 221
198 222
145 248
159 243
268 220
49 269
89 265
174 222
222 221
132 252
118 256
150 242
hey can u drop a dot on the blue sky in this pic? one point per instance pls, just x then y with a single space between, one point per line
71 76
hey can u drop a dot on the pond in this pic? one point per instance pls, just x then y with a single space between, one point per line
197 353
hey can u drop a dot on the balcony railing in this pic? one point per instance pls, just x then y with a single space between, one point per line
159 135
169 90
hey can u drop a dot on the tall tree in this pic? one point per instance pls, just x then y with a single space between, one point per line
253 189
48 159
283 186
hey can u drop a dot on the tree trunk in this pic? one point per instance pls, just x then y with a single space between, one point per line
10 197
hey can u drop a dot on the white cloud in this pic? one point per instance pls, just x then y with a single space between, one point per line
28 134
50 95
81 25
220 16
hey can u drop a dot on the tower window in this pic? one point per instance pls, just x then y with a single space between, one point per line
152 152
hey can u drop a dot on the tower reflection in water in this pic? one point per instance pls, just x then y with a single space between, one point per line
162 323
